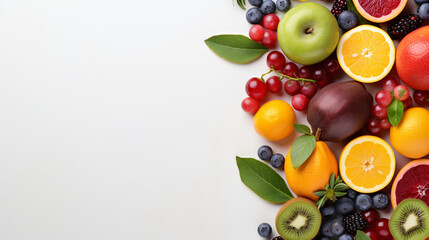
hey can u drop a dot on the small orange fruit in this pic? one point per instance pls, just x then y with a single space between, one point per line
274 120
366 53
314 173
367 164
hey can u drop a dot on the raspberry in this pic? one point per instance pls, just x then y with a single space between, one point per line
354 222
403 26
338 7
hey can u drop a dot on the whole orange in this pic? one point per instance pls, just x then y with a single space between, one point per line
313 174
412 59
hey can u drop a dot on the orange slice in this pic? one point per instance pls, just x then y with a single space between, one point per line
379 11
366 53
367 164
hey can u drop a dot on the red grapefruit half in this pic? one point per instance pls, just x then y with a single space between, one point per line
379 10
412 182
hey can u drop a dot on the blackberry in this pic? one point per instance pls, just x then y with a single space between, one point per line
354 222
278 238
338 7
403 26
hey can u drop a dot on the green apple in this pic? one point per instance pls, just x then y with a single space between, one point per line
308 33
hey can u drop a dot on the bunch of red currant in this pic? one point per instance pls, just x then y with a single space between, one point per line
267 36
302 83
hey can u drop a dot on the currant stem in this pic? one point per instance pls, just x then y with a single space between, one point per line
292 78
262 76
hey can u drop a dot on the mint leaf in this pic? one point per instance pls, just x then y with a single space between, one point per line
302 149
320 193
340 187
235 48
361 235
395 110
263 180
301 128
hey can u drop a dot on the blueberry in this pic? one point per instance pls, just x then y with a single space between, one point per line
325 230
363 202
351 193
423 11
345 237
419 2
324 238
344 205
277 160
380 201
264 230
327 211
268 7
265 152
256 3
254 15
347 20
337 227
284 5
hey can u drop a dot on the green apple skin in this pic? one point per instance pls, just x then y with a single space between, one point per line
308 33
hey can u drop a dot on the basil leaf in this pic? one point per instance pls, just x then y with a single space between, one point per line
395 110
362 20
302 149
361 235
236 48
320 193
301 128
263 180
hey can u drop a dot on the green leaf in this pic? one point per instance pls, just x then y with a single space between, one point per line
242 4
362 20
235 48
320 193
341 187
263 180
340 194
302 149
332 180
401 92
395 110
301 128
321 202
361 235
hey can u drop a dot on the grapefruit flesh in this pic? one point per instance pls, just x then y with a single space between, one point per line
412 182
380 10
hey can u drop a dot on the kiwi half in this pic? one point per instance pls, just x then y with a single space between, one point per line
410 220
298 219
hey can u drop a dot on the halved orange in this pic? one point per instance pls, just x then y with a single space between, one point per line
367 164
366 53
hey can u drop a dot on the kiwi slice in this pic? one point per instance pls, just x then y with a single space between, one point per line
298 219
410 220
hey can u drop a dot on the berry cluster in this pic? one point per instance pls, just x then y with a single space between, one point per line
391 89
403 26
355 211
277 160
255 15
265 33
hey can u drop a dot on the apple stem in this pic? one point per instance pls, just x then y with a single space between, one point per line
309 30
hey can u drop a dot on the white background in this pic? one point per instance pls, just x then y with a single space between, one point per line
117 122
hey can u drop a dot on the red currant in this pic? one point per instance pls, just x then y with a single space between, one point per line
276 60
323 83
269 39
270 21
379 111
319 74
292 87
290 69
421 97
385 124
255 88
305 72
331 66
300 102
383 98
274 84
382 228
308 89
372 233
374 126
401 92
371 216
407 103
250 105
389 83
256 33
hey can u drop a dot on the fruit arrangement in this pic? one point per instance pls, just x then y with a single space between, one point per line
353 79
